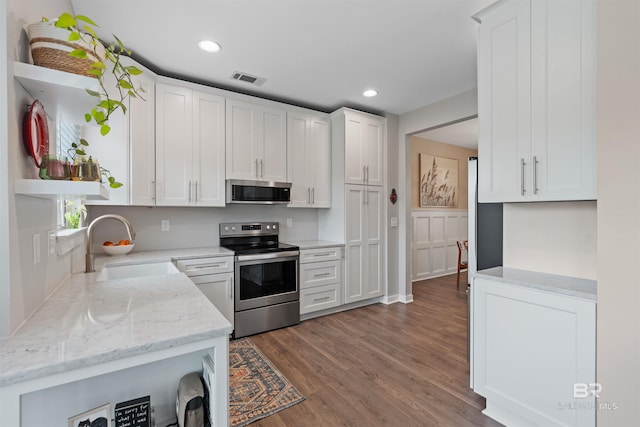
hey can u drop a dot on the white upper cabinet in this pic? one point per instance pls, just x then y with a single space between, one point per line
256 144
309 160
536 101
189 147
142 123
363 149
128 150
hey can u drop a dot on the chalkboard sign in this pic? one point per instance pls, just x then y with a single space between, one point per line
134 413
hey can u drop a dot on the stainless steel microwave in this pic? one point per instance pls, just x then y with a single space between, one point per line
258 192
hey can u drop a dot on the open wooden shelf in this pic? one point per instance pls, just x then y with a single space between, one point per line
63 94
52 189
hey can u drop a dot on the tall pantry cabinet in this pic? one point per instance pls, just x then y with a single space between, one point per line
356 216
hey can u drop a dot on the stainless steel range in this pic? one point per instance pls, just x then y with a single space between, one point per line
267 295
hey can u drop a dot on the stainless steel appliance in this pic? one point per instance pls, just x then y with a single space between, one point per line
267 293
258 192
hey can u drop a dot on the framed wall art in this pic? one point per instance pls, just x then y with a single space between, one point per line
97 417
438 182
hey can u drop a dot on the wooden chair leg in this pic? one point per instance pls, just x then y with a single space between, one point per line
458 279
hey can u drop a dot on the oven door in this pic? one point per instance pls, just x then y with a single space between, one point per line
266 279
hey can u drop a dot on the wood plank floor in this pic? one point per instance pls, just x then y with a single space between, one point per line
396 365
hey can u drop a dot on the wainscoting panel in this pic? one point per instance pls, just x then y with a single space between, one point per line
434 244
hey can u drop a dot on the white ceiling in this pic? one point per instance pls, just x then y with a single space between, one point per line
463 134
317 53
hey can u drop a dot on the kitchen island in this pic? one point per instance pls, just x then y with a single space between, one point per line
93 343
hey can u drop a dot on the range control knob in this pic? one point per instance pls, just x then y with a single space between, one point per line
275 226
268 227
233 228
226 228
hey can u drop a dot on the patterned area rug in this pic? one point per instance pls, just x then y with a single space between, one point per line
256 388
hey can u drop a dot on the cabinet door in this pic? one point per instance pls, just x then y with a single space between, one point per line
319 162
354 135
297 150
273 145
241 144
208 150
373 203
174 138
142 124
356 245
372 155
219 289
504 99
563 104
529 349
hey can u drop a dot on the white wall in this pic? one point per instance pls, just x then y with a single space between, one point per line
557 238
197 227
618 130
393 179
23 286
450 110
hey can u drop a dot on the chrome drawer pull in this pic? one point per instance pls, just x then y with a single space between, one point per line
321 299
322 274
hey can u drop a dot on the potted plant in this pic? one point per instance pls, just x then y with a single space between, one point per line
77 41
88 169
74 215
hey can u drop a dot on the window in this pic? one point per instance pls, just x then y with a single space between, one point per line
68 210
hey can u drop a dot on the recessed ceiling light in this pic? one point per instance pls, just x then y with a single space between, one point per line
209 46
369 93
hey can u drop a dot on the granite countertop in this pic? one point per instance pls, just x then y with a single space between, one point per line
562 285
315 244
85 323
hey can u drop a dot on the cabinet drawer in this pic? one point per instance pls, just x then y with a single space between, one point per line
320 298
320 273
320 254
200 266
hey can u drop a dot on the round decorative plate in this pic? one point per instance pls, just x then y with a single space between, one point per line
36 132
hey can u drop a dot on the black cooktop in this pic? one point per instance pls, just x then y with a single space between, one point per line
248 248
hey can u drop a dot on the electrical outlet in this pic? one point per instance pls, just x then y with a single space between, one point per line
36 249
166 226
51 241
289 222
394 222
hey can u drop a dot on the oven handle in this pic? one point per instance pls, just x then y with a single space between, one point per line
273 255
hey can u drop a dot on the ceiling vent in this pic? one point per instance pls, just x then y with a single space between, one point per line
248 78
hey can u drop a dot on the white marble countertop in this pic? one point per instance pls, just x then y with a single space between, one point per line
562 285
85 323
314 244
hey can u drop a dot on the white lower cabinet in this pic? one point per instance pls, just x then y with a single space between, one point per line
364 243
534 355
214 277
320 279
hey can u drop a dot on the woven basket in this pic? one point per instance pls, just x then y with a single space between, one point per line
50 48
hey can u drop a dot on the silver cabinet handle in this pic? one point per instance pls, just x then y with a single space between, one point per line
153 190
199 266
367 169
313 196
196 191
364 173
522 177
323 254
322 274
257 168
231 285
535 175
321 299
308 195
261 169
189 191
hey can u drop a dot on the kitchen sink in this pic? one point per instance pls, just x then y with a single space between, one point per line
129 271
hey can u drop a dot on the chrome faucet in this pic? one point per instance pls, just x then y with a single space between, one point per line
89 267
